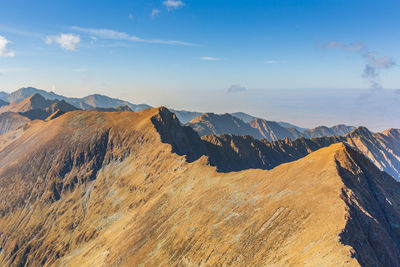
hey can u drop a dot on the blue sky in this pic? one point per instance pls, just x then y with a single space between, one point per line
188 54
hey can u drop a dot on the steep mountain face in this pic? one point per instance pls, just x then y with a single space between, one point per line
244 116
210 123
289 125
120 196
185 116
91 101
337 130
3 103
271 130
37 107
10 121
249 118
234 153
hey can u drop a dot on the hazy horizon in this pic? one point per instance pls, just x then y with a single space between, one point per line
333 105
213 56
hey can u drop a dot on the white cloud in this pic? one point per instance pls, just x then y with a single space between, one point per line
155 12
4 52
173 4
211 58
67 41
108 34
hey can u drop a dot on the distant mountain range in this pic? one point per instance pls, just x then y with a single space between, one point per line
210 123
101 101
91 101
37 107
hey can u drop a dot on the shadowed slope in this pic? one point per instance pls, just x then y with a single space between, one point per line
234 153
373 197
210 123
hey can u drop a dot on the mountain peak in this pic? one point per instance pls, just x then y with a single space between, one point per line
361 131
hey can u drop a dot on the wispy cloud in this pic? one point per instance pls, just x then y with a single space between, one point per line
67 41
173 4
211 58
358 46
373 66
108 34
131 17
154 13
236 88
4 52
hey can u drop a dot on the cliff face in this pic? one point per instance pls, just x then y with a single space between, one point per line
104 189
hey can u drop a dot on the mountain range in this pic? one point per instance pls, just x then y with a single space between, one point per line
102 101
91 101
106 186
210 123
93 188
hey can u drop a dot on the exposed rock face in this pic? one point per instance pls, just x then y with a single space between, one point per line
271 130
244 117
185 116
37 107
106 189
249 118
338 130
210 123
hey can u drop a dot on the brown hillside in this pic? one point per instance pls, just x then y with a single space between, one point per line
105 189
